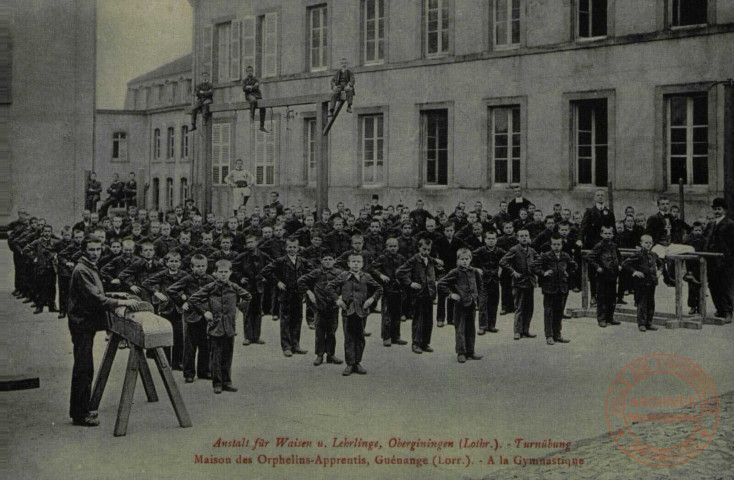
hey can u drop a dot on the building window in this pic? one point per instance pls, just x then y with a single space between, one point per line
506 26
372 149
687 134
169 193
505 144
684 13
159 94
591 18
591 151
174 92
435 143
185 141
170 143
156 194
317 38
265 156
184 190
119 146
310 137
260 44
221 152
157 143
436 27
373 31
227 51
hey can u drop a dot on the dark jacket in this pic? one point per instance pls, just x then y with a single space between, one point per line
719 240
159 282
180 292
467 283
338 242
561 267
519 259
387 264
354 293
514 207
221 299
645 262
604 255
660 228
254 84
249 266
591 224
488 261
374 242
342 78
70 254
88 304
138 271
116 266
116 191
415 270
42 252
316 280
284 270
164 245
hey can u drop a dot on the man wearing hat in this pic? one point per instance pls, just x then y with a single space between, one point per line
720 239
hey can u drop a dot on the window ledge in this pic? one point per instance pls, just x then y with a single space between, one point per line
372 186
504 48
689 27
591 39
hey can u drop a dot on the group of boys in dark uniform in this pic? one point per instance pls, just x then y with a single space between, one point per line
466 262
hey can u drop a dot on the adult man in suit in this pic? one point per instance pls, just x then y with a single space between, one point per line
595 217
517 203
719 235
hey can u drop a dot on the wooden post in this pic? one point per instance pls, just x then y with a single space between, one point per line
678 289
584 283
322 158
147 380
173 394
704 287
206 166
610 195
104 371
681 200
128 391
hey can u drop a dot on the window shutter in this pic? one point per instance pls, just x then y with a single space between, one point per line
235 51
216 152
225 145
248 43
206 42
270 45
265 155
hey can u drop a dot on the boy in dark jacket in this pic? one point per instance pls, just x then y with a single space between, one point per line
507 240
251 87
517 261
342 81
463 285
487 259
697 240
248 267
313 285
604 260
284 273
140 269
217 302
194 325
643 265
554 269
419 274
156 286
354 292
384 268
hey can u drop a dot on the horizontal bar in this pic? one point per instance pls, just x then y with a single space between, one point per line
270 103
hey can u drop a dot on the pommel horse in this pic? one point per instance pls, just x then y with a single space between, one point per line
143 330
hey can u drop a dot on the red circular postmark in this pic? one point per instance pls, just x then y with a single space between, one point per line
662 410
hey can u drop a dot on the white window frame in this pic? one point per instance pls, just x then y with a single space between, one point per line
689 128
119 143
224 41
508 21
514 163
375 161
590 20
593 145
441 24
221 152
380 22
424 115
323 37
671 15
